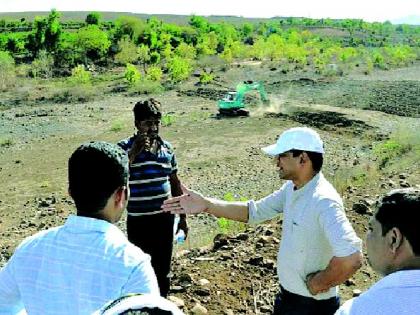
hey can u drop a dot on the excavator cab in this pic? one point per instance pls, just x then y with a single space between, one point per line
232 104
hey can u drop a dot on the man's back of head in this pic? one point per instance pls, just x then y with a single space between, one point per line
96 170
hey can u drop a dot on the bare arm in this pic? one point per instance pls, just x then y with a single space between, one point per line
192 202
338 270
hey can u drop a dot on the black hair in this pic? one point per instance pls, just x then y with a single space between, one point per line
316 158
400 208
147 109
96 170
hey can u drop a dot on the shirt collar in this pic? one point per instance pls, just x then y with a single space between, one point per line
309 185
79 223
402 278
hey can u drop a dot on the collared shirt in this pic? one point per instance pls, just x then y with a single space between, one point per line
396 294
315 228
149 178
74 269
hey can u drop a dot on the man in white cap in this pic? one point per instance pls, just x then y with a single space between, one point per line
319 249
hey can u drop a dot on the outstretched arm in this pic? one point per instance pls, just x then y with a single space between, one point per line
192 202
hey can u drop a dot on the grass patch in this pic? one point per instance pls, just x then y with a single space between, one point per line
167 120
401 143
6 142
145 87
117 125
227 226
354 176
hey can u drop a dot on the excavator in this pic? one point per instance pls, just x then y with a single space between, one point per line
233 104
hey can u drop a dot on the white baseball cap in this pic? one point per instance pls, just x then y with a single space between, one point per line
298 138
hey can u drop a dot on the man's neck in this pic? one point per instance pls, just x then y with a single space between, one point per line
303 180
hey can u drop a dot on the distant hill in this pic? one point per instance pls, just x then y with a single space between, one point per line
111 16
412 19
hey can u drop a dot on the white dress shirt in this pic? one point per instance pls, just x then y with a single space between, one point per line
315 228
396 294
74 269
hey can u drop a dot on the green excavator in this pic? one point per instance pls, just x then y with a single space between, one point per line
233 104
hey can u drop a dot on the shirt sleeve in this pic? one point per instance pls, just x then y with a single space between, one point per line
10 299
268 207
338 230
142 279
345 309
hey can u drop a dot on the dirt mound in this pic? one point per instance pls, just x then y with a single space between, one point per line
207 93
398 98
326 120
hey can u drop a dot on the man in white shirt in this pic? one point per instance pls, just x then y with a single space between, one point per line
319 249
393 248
76 268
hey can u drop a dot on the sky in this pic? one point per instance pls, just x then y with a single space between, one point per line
368 10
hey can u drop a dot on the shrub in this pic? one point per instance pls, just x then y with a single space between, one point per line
79 75
179 69
7 70
206 78
132 75
42 66
128 52
145 87
154 74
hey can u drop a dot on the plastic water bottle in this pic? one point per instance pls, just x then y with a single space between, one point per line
180 237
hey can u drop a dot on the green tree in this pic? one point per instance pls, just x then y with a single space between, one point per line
179 69
132 75
127 51
93 18
93 42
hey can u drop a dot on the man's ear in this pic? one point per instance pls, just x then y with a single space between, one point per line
394 239
303 158
120 195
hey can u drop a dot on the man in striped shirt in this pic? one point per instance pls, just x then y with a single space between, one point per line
153 178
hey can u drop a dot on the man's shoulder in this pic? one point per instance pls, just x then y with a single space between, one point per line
126 143
325 193
38 239
117 240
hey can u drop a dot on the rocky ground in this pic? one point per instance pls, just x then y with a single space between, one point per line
218 274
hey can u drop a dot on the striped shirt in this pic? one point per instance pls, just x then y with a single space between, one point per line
74 269
149 178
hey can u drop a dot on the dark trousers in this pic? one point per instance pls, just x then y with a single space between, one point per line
288 303
154 235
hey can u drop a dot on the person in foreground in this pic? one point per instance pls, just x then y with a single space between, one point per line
153 178
140 304
79 266
319 248
393 249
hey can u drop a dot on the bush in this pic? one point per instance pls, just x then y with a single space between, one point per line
42 66
179 69
154 74
7 70
145 87
128 52
132 75
79 75
75 94
206 78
